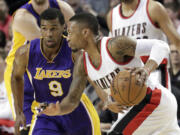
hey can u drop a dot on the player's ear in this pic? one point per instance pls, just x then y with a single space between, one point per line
85 32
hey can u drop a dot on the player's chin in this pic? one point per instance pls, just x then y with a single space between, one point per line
51 45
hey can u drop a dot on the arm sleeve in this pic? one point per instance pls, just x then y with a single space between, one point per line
157 50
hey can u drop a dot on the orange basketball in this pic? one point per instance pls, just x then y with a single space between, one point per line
125 90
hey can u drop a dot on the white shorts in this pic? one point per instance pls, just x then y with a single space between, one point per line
155 115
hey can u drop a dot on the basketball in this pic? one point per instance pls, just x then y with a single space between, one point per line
125 90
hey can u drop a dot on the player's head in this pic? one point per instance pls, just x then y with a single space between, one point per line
39 2
3 10
175 56
82 28
52 26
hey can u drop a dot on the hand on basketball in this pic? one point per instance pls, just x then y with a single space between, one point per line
114 106
141 75
50 109
20 121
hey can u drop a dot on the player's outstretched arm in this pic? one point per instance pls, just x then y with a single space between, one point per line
17 83
71 101
158 15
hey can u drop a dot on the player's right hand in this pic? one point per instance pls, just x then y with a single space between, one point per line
20 121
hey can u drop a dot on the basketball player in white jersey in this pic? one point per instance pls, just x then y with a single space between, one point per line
101 60
144 19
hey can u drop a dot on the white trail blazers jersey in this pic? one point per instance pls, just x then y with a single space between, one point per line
139 25
103 75
150 111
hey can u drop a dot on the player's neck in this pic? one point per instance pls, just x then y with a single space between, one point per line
94 51
130 6
51 53
40 8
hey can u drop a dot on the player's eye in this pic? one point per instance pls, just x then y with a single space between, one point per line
43 28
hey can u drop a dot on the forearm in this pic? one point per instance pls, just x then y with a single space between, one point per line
71 101
68 105
101 94
156 50
18 93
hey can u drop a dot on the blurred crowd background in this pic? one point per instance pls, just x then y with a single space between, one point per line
99 8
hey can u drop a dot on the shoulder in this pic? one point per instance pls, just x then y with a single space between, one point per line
156 10
23 17
66 8
120 41
155 5
121 46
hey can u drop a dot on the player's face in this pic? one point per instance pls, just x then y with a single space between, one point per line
40 2
175 56
75 38
51 31
3 10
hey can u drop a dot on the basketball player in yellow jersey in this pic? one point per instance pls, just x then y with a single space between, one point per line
25 27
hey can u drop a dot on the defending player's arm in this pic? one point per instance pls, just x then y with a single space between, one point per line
17 83
159 16
71 101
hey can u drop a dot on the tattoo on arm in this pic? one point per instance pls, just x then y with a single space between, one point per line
71 101
122 46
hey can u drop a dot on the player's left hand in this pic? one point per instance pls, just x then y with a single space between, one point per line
113 106
50 109
141 74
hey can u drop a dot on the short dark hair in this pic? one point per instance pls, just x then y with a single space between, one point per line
88 20
52 13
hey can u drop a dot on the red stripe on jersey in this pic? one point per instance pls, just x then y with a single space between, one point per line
8 123
145 58
146 111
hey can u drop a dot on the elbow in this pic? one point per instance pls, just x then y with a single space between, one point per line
74 101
